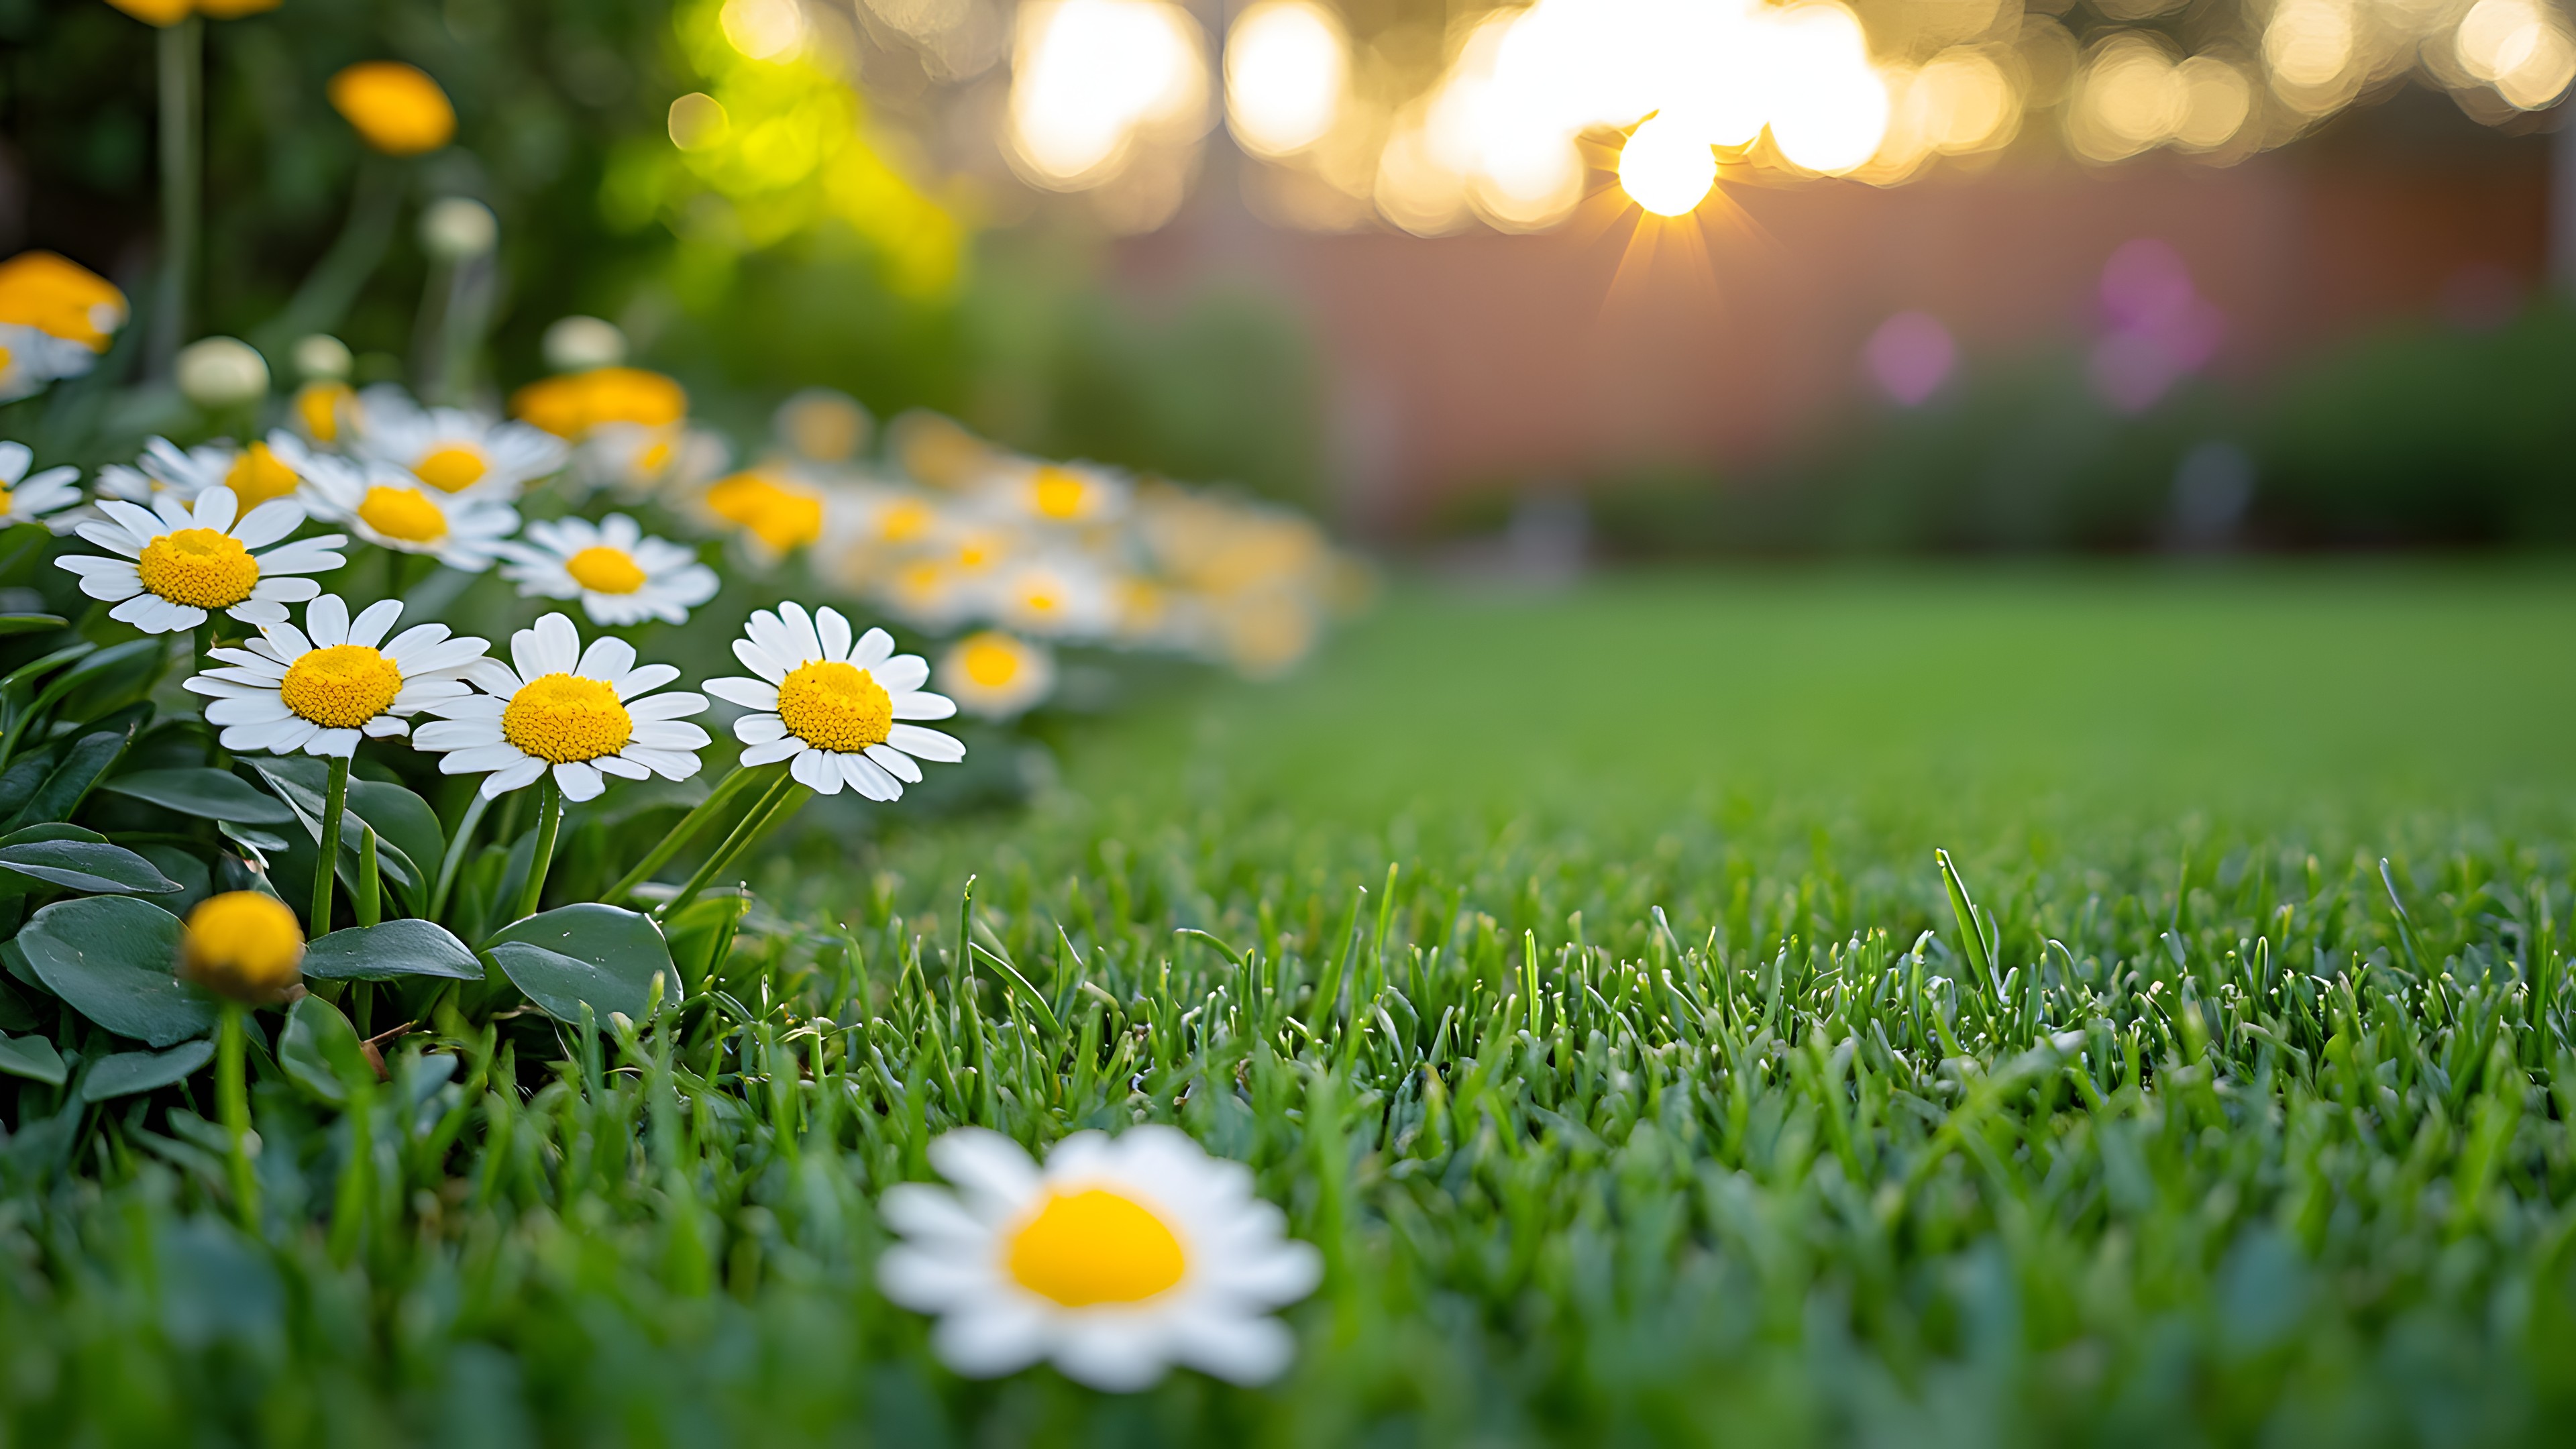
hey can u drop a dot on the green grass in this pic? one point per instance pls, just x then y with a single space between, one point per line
2227 1137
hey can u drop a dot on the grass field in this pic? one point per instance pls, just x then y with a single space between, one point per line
1658 1095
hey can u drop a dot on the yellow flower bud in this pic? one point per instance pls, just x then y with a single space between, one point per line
395 107
242 944
61 298
164 13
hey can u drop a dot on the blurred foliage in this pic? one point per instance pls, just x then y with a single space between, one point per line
2424 434
792 249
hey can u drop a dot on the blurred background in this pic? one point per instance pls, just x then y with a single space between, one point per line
1518 285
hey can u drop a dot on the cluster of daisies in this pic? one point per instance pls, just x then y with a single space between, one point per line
843 709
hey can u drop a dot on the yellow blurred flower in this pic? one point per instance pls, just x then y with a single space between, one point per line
322 409
778 514
243 944
571 405
166 13
396 108
61 298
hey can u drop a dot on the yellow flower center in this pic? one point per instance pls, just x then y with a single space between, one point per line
778 517
991 660
605 570
978 552
564 718
655 457
4 359
341 687
1094 1246
906 521
403 513
317 406
8 496
199 567
256 477
1041 598
1059 493
397 108
243 944
452 468
835 706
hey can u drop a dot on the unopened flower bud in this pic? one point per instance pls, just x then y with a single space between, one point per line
245 945
578 344
458 228
222 372
322 358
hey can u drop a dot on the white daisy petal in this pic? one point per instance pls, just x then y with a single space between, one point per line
921 705
873 647
774 751
924 744
815 770
749 693
896 763
759 729
579 781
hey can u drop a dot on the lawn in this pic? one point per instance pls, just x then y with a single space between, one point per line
1578 974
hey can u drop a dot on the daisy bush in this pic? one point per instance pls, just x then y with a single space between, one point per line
348 734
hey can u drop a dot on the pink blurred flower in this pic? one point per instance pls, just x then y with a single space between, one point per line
1910 356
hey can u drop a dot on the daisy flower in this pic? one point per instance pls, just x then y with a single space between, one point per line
620 576
1063 493
583 713
1055 598
386 506
994 675
32 360
180 563
451 449
837 710
774 514
256 474
1117 1259
37 499
318 689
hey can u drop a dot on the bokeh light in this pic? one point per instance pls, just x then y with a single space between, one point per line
1088 76
2520 47
1286 65
764 29
1666 169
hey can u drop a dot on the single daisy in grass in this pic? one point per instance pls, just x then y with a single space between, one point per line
994 676
177 564
256 474
582 713
620 576
1055 598
390 508
39 499
1117 1259
318 690
451 449
837 710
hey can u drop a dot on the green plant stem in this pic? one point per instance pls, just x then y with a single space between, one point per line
370 902
326 866
781 801
550 805
232 1098
335 281
671 844
459 842
181 63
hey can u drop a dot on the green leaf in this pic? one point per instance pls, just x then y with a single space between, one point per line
127 1073
15 1014
105 679
92 867
395 948
31 623
89 759
319 1050
18 783
591 953
206 793
111 959
407 831
34 1058
195 877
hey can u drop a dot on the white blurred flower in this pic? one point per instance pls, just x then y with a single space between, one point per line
578 344
457 228
393 509
39 499
32 360
264 470
1119 1258
452 449
994 676
321 357
620 576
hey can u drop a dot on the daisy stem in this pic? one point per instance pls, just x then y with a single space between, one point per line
181 65
232 1096
326 866
457 844
681 834
781 800
549 821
